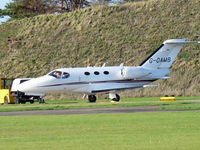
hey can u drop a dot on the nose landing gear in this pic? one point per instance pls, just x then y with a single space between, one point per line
117 98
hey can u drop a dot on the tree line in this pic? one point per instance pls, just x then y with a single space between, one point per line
28 8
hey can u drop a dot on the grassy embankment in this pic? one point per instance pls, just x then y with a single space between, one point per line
141 131
127 33
180 103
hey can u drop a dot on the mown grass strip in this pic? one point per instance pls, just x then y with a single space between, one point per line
141 131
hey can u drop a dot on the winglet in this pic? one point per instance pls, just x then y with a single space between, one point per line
104 65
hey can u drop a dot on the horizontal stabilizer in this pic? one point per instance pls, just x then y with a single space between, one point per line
159 77
164 78
180 42
152 85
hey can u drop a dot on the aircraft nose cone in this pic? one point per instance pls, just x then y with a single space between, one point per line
34 85
25 87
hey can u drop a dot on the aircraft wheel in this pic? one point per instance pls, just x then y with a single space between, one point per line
23 102
92 98
117 99
31 102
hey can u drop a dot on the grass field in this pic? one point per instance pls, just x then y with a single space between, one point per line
136 131
180 103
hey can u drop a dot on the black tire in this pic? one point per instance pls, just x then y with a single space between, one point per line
23 102
92 98
31 102
117 99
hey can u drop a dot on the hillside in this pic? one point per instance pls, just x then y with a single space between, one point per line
127 33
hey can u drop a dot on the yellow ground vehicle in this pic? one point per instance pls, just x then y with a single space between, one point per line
5 94
168 98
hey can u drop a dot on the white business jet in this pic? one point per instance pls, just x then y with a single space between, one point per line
108 79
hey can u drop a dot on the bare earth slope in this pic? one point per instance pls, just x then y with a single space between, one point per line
127 33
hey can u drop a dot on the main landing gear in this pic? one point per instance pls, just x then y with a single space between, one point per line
113 96
92 98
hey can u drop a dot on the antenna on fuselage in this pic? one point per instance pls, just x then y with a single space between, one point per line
104 64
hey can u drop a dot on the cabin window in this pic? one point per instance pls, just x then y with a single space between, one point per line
65 75
87 73
56 74
96 73
106 72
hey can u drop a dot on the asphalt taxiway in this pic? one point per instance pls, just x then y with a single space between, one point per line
138 109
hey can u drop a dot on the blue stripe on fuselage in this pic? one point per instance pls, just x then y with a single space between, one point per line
109 81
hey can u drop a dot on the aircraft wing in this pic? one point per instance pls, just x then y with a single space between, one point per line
114 87
99 89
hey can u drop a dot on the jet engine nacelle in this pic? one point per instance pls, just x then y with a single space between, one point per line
135 72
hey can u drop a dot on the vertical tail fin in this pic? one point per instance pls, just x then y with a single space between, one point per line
166 54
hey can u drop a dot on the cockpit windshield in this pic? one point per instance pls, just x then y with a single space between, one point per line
59 74
56 74
65 75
